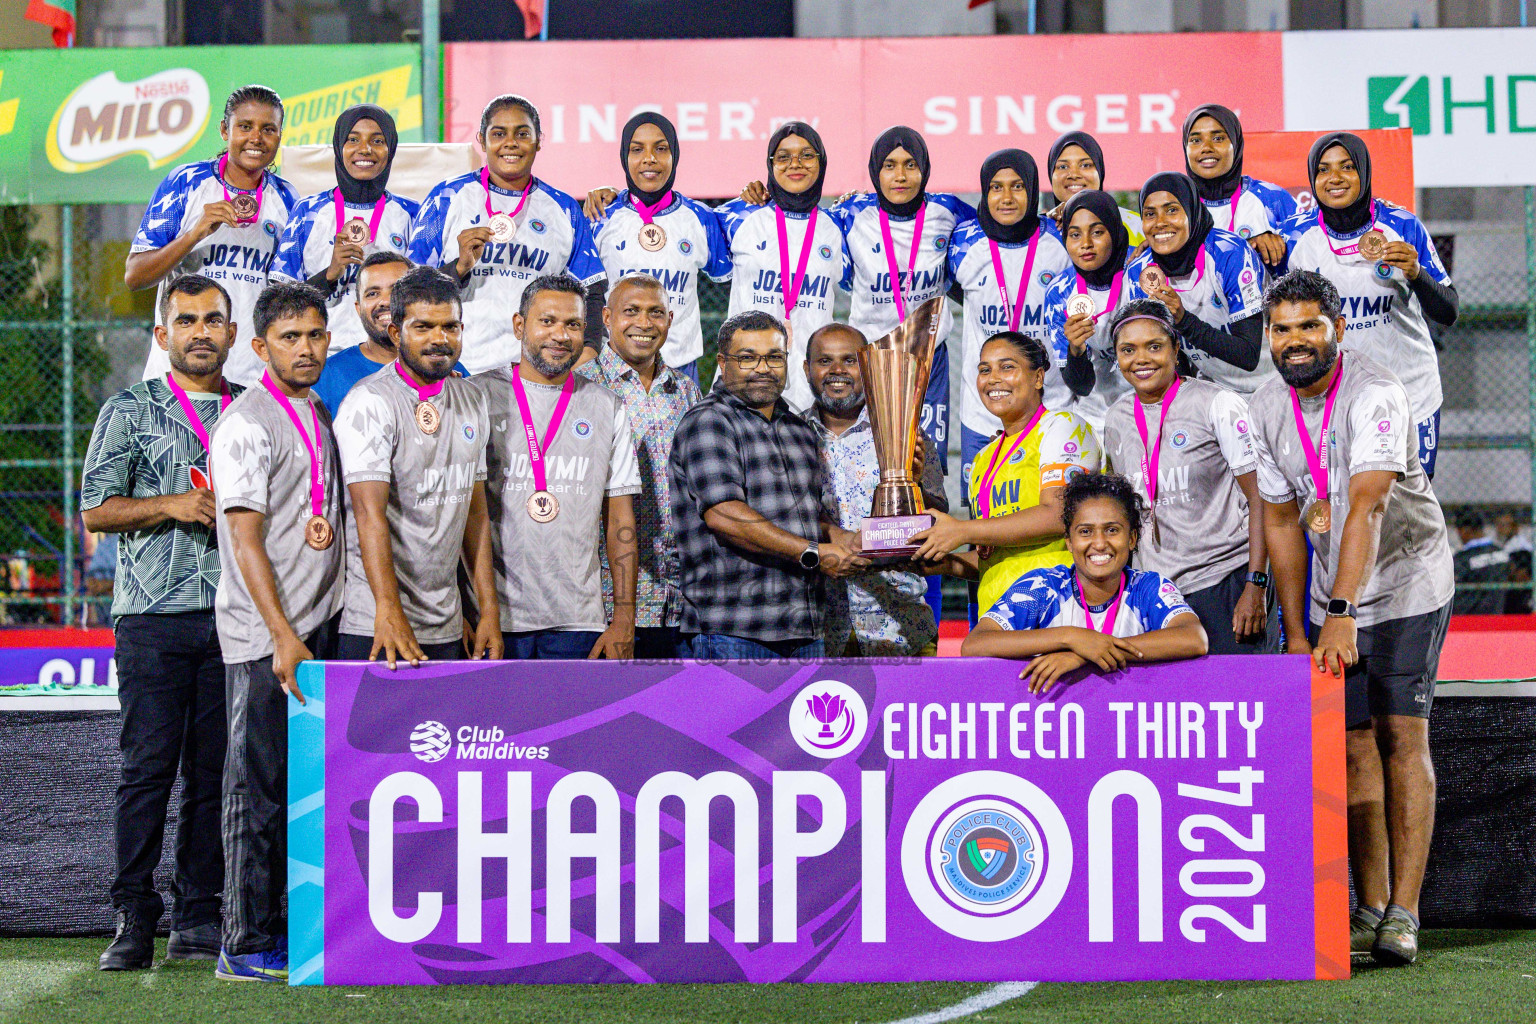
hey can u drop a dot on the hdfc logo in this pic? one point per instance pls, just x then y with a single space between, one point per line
160 117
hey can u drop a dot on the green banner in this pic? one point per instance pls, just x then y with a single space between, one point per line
104 126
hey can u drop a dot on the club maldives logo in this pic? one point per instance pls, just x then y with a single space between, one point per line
986 856
430 741
828 719
159 117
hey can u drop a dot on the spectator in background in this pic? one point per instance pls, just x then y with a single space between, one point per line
1512 534
100 572
1515 537
1480 560
375 279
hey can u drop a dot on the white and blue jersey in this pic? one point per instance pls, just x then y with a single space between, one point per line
307 242
1261 207
985 314
1230 289
1108 382
756 275
1382 316
1132 222
695 245
1046 598
552 235
239 258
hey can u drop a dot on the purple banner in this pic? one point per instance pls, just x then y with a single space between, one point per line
836 821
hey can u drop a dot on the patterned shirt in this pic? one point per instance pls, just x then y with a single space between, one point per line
886 612
726 451
144 447
653 419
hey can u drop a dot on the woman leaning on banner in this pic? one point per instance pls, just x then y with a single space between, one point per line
1185 444
1094 611
1076 164
1389 276
1081 301
1248 207
1015 489
330 233
1210 280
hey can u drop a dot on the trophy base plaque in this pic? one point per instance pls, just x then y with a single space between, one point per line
886 539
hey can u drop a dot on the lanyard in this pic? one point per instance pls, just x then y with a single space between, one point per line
423 391
190 411
535 449
984 489
1348 250
898 290
1110 616
373 222
648 212
485 183
1002 285
261 188
316 478
1232 220
791 286
1081 288
1150 453
1317 457
1199 273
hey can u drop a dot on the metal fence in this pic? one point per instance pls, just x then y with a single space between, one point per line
71 334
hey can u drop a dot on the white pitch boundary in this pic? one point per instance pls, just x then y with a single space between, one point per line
998 994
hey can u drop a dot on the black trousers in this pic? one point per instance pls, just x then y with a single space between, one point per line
256 799
351 647
170 681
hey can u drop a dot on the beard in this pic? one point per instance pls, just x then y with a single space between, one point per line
757 391
377 333
848 405
195 364
1304 375
422 369
548 369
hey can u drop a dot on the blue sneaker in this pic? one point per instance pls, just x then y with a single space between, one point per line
268 965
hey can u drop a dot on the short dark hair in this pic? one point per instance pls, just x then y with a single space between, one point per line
251 94
383 256
285 299
192 284
1087 486
751 320
641 279
1304 286
506 100
422 284
833 328
1032 349
1470 519
561 282
1145 308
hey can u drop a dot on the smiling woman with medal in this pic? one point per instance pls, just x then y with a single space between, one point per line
329 234
1253 209
1384 264
1076 164
498 228
1186 445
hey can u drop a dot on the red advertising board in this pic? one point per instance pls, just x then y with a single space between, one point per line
968 95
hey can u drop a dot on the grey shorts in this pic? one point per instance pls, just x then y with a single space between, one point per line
1399 660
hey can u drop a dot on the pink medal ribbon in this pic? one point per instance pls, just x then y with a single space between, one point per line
373 222
199 478
984 489
1110 615
535 449
423 392
261 187
485 183
1002 285
1232 220
316 477
1317 457
1150 452
1199 273
648 212
1081 288
1348 250
898 290
791 286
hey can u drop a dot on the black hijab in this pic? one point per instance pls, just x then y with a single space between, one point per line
1219 188
797 202
1101 205
1022 164
668 132
1087 143
1182 260
352 190
1358 213
890 140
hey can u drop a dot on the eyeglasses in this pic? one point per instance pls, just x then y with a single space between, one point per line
809 158
750 360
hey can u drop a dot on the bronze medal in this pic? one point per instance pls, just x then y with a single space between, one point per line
1373 245
245 206
427 417
1153 279
503 227
318 533
543 507
1318 517
652 237
355 231
1080 305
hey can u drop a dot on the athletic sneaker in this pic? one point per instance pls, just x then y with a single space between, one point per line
1397 940
268 965
1362 929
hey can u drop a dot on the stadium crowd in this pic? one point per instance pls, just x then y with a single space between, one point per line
473 428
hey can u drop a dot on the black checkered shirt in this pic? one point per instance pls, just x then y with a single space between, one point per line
727 451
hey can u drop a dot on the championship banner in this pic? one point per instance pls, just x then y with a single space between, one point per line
839 821
106 125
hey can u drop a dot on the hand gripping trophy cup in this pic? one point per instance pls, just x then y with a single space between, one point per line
895 369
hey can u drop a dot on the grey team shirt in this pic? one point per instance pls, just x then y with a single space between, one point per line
259 462
548 575
431 478
1371 429
1201 512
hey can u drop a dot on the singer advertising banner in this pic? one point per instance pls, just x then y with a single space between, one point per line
838 821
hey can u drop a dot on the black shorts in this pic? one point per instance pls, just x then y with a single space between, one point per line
1395 675
351 647
1215 605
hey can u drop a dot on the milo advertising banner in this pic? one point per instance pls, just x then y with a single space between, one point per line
531 822
104 126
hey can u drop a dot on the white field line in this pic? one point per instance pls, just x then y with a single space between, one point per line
995 996
26 980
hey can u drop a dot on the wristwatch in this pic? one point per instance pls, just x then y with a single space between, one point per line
1338 608
810 558
1258 579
